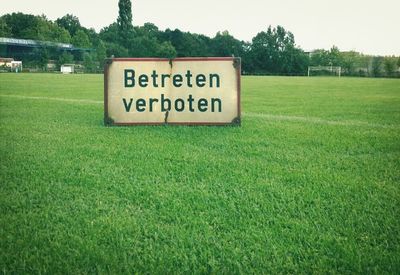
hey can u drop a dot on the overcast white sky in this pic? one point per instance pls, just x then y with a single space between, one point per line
369 26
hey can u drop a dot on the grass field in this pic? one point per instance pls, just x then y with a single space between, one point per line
309 184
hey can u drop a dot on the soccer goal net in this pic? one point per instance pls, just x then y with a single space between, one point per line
324 70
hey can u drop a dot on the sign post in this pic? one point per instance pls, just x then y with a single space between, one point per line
182 91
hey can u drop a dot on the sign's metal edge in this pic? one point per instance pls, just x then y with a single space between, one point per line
108 121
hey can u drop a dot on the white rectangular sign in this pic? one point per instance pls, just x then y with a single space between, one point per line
191 91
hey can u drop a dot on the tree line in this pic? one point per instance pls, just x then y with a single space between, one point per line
271 52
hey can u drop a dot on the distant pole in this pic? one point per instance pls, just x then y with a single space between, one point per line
308 71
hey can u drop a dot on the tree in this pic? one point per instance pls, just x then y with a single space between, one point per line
5 30
80 39
376 65
272 51
49 31
320 57
101 52
350 61
148 30
116 50
109 33
295 61
70 23
28 26
275 52
187 44
389 63
224 44
93 36
61 35
65 58
124 21
21 25
142 47
246 59
41 57
89 61
166 50
335 58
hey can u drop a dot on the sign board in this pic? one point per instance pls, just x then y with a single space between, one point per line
187 91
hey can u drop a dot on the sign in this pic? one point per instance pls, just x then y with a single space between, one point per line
188 91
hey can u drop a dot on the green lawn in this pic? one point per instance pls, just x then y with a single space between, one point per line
310 183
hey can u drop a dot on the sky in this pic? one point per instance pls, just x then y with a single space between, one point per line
368 26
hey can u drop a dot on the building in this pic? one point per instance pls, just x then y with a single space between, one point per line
34 52
9 64
5 61
67 68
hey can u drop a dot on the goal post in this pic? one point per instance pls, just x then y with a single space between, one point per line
325 70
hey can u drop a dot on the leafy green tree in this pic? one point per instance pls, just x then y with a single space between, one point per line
101 52
149 30
364 65
246 59
22 25
124 21
41 57
143 47
80 39
265 52
147 42
187 44
116 50
166 50
320 57
65 58
93 36
335 58
49 31
224 44
70 23
60 35
376 66
295 61
109 33
350 61
389 63
28 26
272 51
275 52
90 62
5 30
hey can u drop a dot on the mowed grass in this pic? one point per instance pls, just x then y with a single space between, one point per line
308 184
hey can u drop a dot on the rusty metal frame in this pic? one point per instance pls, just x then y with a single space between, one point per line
236 62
